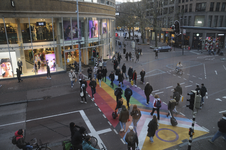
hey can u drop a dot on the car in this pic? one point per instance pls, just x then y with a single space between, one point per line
163 49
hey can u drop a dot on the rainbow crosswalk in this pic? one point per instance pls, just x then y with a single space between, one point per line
166 136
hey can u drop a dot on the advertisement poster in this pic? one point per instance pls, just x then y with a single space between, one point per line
93 28
51 61
104 25
6 68
68 32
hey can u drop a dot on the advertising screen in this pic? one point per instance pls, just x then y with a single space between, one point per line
6 67
51 61
104 25
93 28
68 32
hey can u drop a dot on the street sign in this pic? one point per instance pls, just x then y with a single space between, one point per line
184 31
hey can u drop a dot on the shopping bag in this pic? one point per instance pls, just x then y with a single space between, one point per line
131 82
181 98
116 77
67 145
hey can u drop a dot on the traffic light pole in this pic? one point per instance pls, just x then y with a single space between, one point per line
79 42
191 130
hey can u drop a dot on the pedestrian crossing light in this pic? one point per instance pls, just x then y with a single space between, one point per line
173 27
192 95
177 27
94 53
97 54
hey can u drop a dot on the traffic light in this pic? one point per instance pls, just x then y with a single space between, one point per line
192 95
191 132
97 54
177 27
94 53
173 27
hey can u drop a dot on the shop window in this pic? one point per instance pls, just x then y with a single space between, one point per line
186 8
215 21
223 6
185 20
189 21
190 8
200 7
218 7
199 21
165 2
211 6
2 33
11 28
210 21
221 21
93 28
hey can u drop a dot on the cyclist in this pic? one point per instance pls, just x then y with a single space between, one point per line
20 143
179 66
77 138
86 144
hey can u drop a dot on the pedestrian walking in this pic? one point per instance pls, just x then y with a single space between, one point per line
135 77
112 78
80 76
142 74
156 53
48 70
93 85
171 106
131 139
99 77
119 105
95 72
18 73
119 58
198 90
156 106
148 90
117 71
89 71
127 56
179 88
104 73
176 96
152 127
83 82
203 93
130 56
115 64
137 57
130 73
123 117
72 77
118 92
83 94
121 78
101 63
222 129
124 70
20 142
136 114
128 93
104 63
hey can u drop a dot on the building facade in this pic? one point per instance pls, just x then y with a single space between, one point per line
34 32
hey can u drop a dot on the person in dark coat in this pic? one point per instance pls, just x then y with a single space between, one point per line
128 93
136 114
142 74
121 78
20 142
48 70
130 73
83 94
130 56
119 106
104 73
99 77
123 117
198 89
124 70
176 96
119 58
77 138
73 128
127 56
132 139
152 127
135 77
179 88
156 53
148 90
117 71
171 106
89 71
112 78
18 73
115 64
203 93
119 92
93 85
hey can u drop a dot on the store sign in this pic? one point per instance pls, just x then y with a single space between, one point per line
40 23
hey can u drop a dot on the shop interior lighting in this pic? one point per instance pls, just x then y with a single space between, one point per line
199 21
220 34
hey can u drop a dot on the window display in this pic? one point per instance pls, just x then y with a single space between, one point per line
104 25
68 33
93 28
6 68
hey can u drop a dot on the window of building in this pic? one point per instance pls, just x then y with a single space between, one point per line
186 8
210 21
171 10
199 21
165 2
178 8
218 7
171 1
211 6
2 32
185 20
147 13
179 1
102 1
190 8
182 8
186 0
108 3
221 21
165 10
94 1
215 21
200 7
189 20
87 0
182 1
223 6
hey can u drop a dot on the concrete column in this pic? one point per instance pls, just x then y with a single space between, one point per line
20 52
85 54
58 38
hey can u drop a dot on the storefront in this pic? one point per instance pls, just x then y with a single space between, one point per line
197 38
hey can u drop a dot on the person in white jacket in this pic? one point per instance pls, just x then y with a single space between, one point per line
72 77
156 105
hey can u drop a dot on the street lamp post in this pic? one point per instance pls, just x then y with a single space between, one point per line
79 42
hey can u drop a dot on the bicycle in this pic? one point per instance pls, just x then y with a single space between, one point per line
179 71
39 146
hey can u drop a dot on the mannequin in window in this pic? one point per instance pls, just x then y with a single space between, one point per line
19 64
40 33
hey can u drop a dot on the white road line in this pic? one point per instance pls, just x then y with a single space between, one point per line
164 103
174 75
104 116
222 111
159 93
143 133
182 114
196 83
206 97
109 123
185 79
224 97
99 109
115 131
169 87
88 95
182 83
188 86
172 89
104 131
206 129
188 74
218 99
224 67
155 91
123 141
200 78
95 104
204 70
216 72
190 81
193 76
178 76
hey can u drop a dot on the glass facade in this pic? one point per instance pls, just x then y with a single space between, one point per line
39 42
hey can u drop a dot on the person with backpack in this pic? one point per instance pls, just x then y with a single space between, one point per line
93 85
123 117
128 93
119 105
148 90
203 93
118 92
86 144
142 74
83 94
19 141
131 139
152 127
157 104
135 113
112 78
171 106
120 78
72 77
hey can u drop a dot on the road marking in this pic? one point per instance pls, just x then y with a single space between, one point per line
123 141
222 111
174 75
218 99
224 97
99 109
164 103
188 86
188 74
185 79
104 131
159 93
182 83
204 70
190 81
193 76
178 76
206 97
155 91
95 104
182 114
224 67
205 129
216 72
88 95
115 131
172 89
104 116
200 78
196 83
169 87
